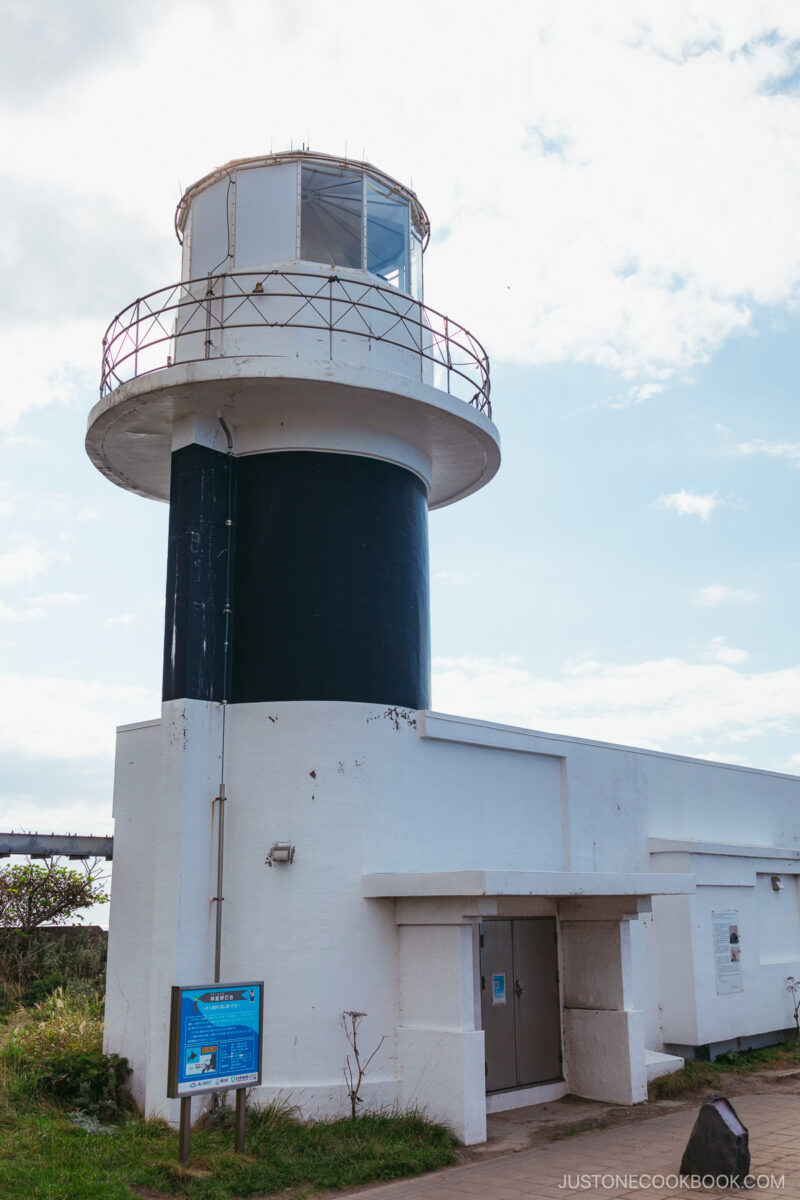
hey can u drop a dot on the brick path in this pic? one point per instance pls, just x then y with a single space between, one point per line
651 1147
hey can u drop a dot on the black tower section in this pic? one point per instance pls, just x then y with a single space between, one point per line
197 575
330 581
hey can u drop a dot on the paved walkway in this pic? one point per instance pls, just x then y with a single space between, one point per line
620 1162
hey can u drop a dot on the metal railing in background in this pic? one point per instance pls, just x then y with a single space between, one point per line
194 321
54 845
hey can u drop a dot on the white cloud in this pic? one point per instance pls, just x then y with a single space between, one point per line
718 593
58 364
666 704
788 450
8 502
645 391
14 440
740 760
57 600
623 150
39 606
122 619
718 650
46 717
690 503
657 155
22 565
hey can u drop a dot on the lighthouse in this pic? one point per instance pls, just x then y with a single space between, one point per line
517 914
301 408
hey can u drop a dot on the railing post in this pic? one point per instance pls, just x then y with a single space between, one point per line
330 318
209 294
421 373
136 343
447 348
222 318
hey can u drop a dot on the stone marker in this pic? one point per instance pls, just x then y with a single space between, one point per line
719 1142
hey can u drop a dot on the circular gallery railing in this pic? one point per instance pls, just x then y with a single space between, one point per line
248 314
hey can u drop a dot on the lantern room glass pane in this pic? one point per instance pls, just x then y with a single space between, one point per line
331 217
387 236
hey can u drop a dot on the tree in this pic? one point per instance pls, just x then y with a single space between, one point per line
34 894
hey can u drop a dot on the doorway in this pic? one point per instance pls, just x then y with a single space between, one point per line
520 1003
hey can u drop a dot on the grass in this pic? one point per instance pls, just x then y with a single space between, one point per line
33 965
57 1142
43 1156
697 1076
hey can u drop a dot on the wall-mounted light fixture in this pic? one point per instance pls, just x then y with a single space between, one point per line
283 852
777 883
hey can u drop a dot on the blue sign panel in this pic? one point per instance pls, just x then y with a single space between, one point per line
215 1038
498 989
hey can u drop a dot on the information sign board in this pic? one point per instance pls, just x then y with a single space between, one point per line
215 1038
727 951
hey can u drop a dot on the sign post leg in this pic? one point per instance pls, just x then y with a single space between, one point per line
185 1129
241 1106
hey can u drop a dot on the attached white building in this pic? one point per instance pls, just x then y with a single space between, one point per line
519 914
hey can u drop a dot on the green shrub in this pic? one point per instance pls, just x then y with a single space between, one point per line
87 1080
33 964
39 989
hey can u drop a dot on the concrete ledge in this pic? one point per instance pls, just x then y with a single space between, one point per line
725 849
524 883
523 1097
657 1064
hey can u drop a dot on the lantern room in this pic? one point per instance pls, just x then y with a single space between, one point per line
297 324
300 207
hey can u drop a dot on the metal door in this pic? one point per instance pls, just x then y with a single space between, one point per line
520 1002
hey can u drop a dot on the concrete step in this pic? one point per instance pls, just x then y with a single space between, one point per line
658 1064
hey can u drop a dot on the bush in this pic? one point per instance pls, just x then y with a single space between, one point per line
33 965
58 1056
87 1080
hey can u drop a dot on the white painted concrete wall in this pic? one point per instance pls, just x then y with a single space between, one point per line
738 878
164 875
132 919
364 791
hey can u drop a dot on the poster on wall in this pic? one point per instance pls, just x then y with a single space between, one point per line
215 1037
727 951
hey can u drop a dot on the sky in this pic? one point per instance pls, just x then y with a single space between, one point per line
613 191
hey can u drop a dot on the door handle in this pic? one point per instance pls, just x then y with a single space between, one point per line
518 988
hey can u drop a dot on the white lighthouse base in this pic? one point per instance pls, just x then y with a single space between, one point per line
412 832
